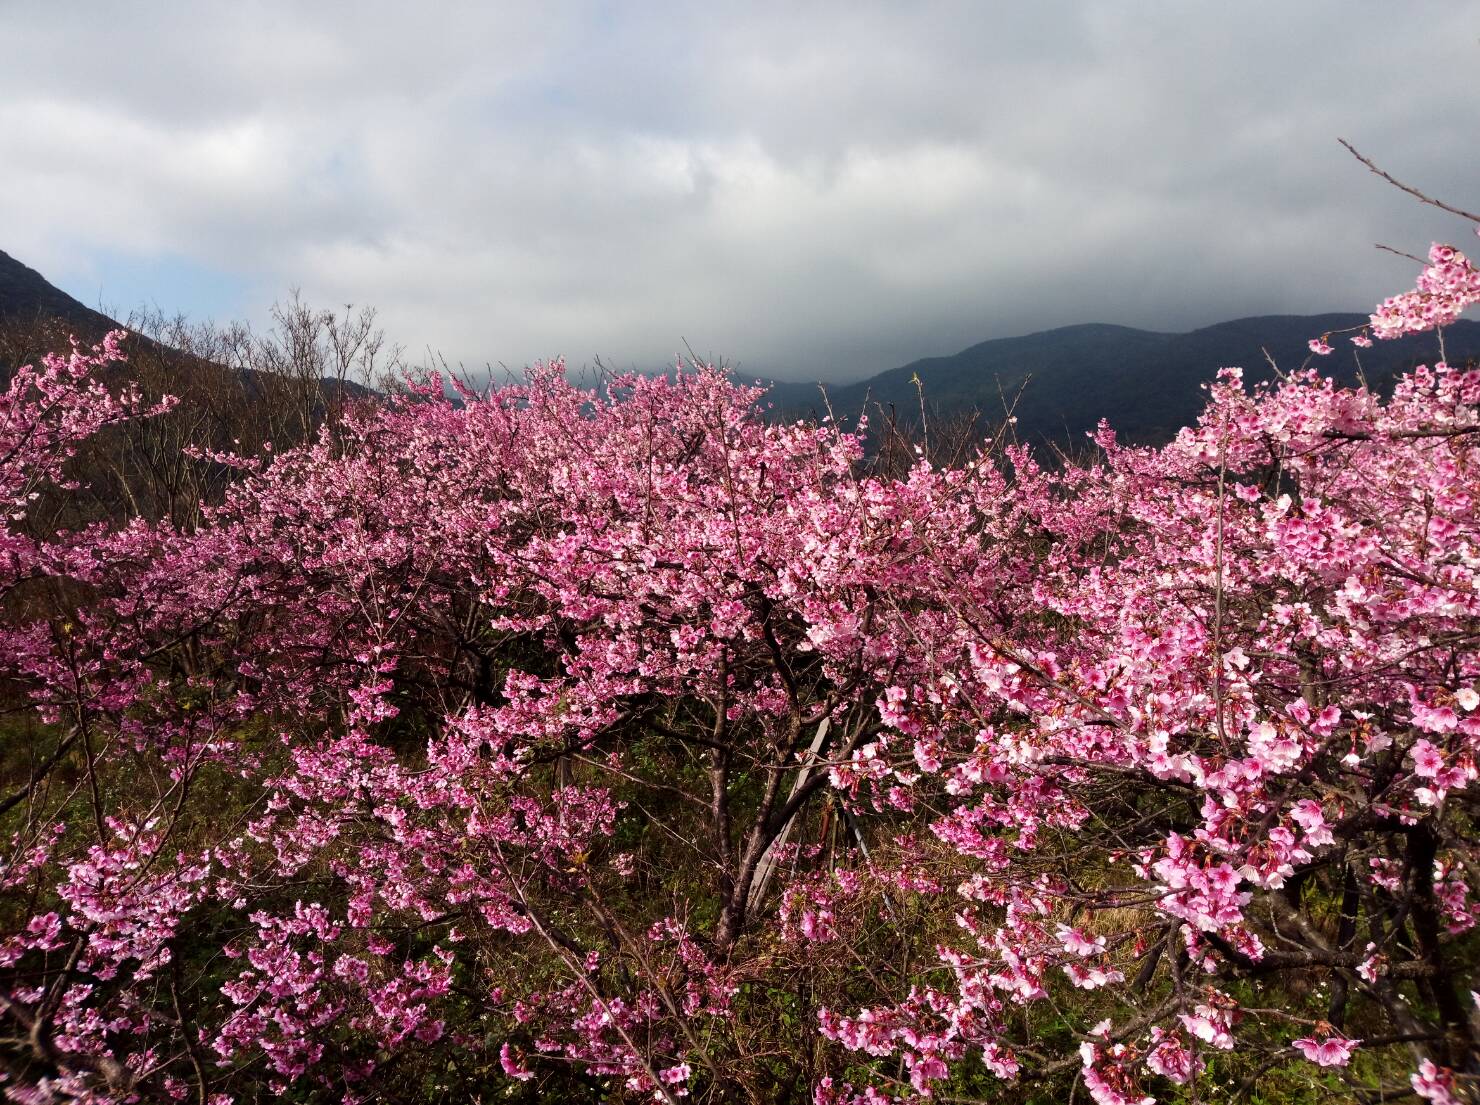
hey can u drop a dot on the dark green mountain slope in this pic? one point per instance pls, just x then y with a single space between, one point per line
1146 384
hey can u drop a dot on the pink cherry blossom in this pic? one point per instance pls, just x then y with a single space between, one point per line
1434 1083
568 731
1332 1051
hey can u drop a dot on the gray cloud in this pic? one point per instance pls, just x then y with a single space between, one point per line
812 189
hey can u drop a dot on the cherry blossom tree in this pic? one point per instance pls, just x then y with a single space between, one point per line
614 744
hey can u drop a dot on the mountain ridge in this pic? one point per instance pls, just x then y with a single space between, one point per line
27 297
1059 383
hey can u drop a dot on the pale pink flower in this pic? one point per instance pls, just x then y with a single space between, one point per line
1434 1083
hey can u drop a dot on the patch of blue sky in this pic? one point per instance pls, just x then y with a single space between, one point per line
117 283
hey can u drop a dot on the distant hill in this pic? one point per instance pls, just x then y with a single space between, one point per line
32 306
234 394
1146 384
26 297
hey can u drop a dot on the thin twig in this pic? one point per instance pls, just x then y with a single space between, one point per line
1412 191
1400 253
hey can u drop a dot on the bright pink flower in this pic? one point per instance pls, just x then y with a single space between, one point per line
1428 761
1333 1051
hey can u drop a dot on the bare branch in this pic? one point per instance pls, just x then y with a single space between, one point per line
1412 191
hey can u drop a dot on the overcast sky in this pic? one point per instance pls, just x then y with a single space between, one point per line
812 190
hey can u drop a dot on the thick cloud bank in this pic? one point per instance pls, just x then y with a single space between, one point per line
812 190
